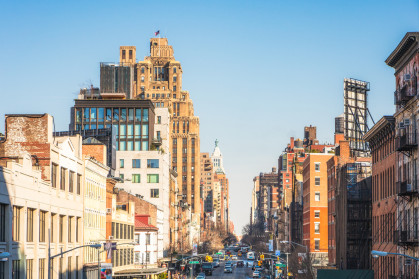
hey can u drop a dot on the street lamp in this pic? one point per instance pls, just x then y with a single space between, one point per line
377 254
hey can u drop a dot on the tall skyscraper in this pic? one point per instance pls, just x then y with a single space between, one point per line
159 78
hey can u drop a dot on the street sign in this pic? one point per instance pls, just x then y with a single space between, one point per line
277 253
194 262
281 265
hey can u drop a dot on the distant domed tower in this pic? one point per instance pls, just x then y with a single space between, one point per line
217 159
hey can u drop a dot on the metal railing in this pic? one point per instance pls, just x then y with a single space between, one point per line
407 236
404 94
407 141
407 188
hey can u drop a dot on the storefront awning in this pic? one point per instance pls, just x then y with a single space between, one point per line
139 272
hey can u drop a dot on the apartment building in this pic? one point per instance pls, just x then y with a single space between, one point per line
315 211
41 198
381 139
405 61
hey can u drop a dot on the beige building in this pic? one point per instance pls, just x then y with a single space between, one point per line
41 196
159 78
94 229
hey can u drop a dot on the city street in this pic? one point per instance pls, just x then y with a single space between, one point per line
238 272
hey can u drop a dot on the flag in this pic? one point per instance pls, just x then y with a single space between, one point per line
157 32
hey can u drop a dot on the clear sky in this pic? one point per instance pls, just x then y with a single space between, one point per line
257 71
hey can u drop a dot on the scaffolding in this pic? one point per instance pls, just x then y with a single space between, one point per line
353 215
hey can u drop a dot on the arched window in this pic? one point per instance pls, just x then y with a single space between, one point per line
142 78
142 70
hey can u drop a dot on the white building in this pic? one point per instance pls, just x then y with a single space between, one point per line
41 199
147 173
146 236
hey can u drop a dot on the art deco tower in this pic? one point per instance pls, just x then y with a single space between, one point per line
159 79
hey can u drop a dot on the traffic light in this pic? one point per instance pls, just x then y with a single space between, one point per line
277 258
262 257
259 263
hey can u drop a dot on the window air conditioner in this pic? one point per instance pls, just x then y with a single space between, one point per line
406 122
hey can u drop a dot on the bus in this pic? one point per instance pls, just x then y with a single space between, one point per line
250 255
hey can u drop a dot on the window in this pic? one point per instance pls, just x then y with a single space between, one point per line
62 180
29 267
316 214
317 166
137 257
77 228
147 239
158 119
121 163
154 193
54 171
142 70
77 267
71 182
61 229
317 181
174 70
147 258
174 78
42 225
316 227
317 244
78 184
130 54
121 175
123 54
152 178
60 271
317 196
69 268
136 178
174 89
70 233
41 267
29 227
53 216
16 270
3 222
153 163
136 163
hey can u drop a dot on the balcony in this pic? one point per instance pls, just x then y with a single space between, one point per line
405 188
407 237
407 142
156 141
404 94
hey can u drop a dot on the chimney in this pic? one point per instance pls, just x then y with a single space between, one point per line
292 142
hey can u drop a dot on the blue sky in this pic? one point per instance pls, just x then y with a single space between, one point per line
257 71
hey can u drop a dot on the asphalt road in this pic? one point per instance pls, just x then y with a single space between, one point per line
238 272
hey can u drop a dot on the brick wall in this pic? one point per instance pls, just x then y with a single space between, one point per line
142 207
30 133
97 151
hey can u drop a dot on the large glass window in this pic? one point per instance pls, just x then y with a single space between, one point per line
93 115
136 163
153 163
137 132
130 131
130 114
123 114
152 178
145 115
137 146
122 131
144 131
115 114
108 114
123 146
78 115
144 145
136 178
138 115
101 114
130 145
86 114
